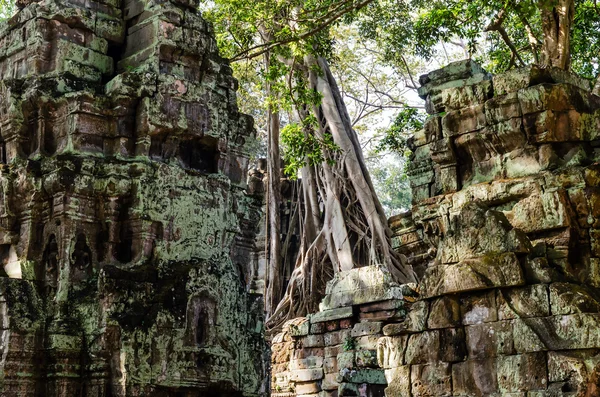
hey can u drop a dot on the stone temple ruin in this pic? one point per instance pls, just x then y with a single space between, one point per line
128 238
122 199
505 236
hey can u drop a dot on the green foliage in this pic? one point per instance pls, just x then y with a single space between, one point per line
349 344
7 9
407 121
424 28
300 145
391 183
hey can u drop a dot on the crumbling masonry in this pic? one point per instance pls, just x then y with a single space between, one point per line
122 199
505 236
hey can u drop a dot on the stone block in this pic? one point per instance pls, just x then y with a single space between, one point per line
458 70
330 382
481 233
530 301
297 327
522 372
543 97
532 75
475 378
281 353
307 388
346 360
502 108
317 328
364 375
550 126
479 308
448 179
463 121
367 342
398 380
332 314
346 323
304 352
390 351
332 351
312 341
366 358
433 128
381 306
306 375
489 339
572 367
459 97
330 365
567 332
331 326
423 347
538 270
360 286
442 152
414 321
507 136
366 328
494 270
431 380
567 298
452 345
444 313
383 315
336 337
306 363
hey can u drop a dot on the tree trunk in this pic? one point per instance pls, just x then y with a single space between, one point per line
274 282
347 227
557 18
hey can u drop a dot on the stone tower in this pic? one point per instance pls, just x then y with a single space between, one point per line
123 192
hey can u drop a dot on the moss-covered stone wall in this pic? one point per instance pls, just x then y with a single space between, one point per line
503 233
122 204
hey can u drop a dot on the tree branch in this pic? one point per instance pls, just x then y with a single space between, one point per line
262 48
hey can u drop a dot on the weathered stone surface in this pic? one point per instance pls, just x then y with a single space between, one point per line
566 298
504 234
522 372
390 351
495 270
444 312
125 225
572 367
463 121
475 378
398 380
360 286
489 339
431 380
331 314
479 308
527 76
366 328
306 375
366 359
575 331
415 320
369 376
531 301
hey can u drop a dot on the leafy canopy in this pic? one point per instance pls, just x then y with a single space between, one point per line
482 29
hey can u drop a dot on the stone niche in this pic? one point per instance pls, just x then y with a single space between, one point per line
122 178
504 235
